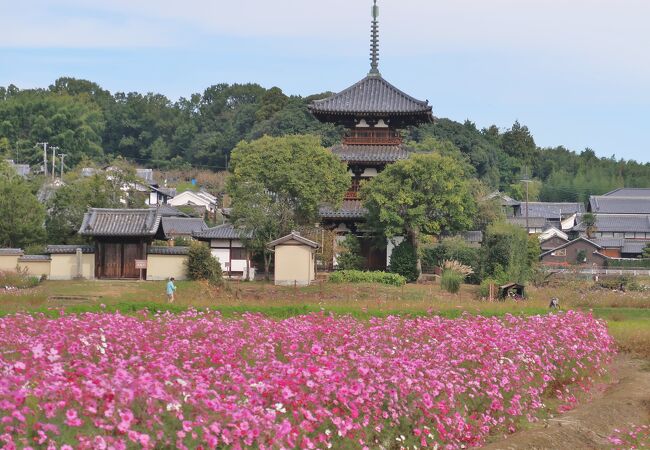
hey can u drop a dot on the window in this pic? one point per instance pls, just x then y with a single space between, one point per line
561 252
238 253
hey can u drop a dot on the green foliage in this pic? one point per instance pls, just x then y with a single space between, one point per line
201 265
508 253
450 281
425 194
22 218
453 248
646 252
182 242
588 220
484 288
357 276
581 257
350 256
403 261
278 183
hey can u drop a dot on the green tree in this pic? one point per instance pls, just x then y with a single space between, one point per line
425 194
277 184
508 252
588 220
404 261
21 223
349 258
646 251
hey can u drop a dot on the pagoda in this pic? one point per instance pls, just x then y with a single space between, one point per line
373 111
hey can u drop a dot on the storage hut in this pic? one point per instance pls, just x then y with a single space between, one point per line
295 260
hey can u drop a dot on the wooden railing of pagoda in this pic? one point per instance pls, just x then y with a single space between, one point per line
352 195
353 140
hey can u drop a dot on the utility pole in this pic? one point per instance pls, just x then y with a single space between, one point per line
54 149
62 155
44 144
527 181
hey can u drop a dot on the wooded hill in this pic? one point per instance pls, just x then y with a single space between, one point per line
88 122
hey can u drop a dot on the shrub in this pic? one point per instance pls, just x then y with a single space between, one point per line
350 257
451 280
453 248
358 276
404 261
18 280
201 265
484 289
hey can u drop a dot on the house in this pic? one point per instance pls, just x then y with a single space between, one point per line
509 205
552 238
626 226
22 170
185 227
607 204
159 195
629 192
295 260
121 237
473 238
580 251
226 244
201 200
535 225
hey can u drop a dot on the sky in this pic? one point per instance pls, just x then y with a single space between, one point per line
576 72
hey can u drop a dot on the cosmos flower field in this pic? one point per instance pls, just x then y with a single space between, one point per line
198 380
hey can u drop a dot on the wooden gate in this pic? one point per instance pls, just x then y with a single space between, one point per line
116 260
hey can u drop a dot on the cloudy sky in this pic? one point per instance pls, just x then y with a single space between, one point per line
577 72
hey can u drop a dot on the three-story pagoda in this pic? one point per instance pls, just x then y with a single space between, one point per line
373 112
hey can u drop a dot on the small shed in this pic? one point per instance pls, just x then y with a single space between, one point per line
295 260
512 290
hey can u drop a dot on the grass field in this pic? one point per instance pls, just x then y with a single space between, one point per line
627 313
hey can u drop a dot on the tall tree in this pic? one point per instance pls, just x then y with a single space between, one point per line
426 194
22 218
279 183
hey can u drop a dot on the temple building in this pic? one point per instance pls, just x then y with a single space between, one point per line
373 111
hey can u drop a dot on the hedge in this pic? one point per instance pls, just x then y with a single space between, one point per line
628 263
358 276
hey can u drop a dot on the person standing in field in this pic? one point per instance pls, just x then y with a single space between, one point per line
171 289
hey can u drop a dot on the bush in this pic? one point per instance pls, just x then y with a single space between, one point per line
404 261
18 280
350 258
201 265
484 289
453 248
451 281
628 263
358 276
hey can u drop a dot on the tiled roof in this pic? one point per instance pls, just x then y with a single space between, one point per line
619 205
634 247
174 226
533 222
168 250
27 258
350 209
294 236
69 249
372 96
551 210
120 222
629 192
621 223
225 231
370 153
609 242
505 199
11 252
169 211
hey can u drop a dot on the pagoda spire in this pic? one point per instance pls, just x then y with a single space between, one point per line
374 43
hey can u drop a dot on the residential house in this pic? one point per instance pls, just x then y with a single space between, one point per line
552 238
182 227
509 205
227 246
580 251
626 226
202 201
22 170
607 204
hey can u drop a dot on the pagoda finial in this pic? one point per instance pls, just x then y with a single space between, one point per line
374 43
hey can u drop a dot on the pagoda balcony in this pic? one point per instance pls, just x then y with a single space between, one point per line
365 140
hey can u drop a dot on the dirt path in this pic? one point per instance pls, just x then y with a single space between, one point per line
625 402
